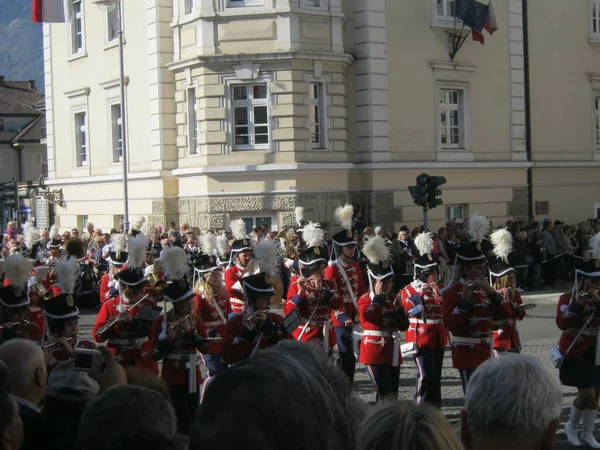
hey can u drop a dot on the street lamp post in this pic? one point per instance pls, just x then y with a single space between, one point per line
107 6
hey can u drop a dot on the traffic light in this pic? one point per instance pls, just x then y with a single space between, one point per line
10 194
433 192
419 192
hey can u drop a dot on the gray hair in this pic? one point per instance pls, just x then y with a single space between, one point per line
290 397
124 411
513 394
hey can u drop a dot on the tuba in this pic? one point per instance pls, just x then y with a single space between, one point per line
76 248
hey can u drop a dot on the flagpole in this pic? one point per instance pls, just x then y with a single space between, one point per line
123 119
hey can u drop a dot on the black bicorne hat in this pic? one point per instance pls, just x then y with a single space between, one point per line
131 276
178 291
61 307
206 263
13 296
343 238
381 271
499 268
54 243
224 261
470 253
313 255
241 245
257 285
425 264
118 259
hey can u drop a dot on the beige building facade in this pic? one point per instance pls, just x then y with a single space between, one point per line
248 108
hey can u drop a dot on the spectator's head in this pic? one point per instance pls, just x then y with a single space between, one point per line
512 400
402 235
75 232
567 229
122 412
136 376
558 223
90 227
405 426
547 225
45 235
11 426
442 233
27 369
289 397
367 231
11 226
536 237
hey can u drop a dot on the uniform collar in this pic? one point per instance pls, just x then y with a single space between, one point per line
24 402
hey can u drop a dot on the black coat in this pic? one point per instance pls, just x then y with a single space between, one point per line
35 429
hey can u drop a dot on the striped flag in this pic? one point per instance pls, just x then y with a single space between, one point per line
52 11
490 25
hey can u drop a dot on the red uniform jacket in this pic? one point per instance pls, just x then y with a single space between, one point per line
570 318
426 329
174 371
357 283
381 320
506 336
292 289
321 303
214 314
105 288
470 323
236 297
239 342
130 355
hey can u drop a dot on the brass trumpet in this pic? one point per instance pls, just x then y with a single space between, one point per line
156 283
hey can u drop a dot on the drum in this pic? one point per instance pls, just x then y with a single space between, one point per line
357 335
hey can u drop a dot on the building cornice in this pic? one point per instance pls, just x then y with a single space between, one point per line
264 168
114 83
78 92
117 178
340 58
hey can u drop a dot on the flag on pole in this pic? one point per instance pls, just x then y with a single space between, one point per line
490 25
52 11
473 13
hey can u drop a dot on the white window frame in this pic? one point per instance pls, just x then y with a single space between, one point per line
451 209
312 3
244 3
107 17
192 121
41 159
594 21
114 130
273 218
446 7
4 160
323 80
464 144
77 136
230 83
184 6
80 16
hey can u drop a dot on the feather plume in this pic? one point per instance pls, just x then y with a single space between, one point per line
17 269
222 245
148 229
267 255
31 234
344 215
54 232
596 247
503 242
299 214
118 243
376 251
479 227
66 270
137 225
238 229
424 243
313 235
136 248
175 261
209 243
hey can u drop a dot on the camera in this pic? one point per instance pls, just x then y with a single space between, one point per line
87 360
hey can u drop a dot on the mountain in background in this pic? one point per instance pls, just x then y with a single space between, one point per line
21 46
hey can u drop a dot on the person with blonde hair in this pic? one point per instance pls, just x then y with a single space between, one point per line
401 425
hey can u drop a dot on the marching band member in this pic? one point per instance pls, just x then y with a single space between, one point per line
381 320
504 279
40 276
470 306
212 303
312 295
350 286
54 246
125 322
109 287
257 328
243 265
578 316
176 338
422 303
62 316
14 311
223 253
